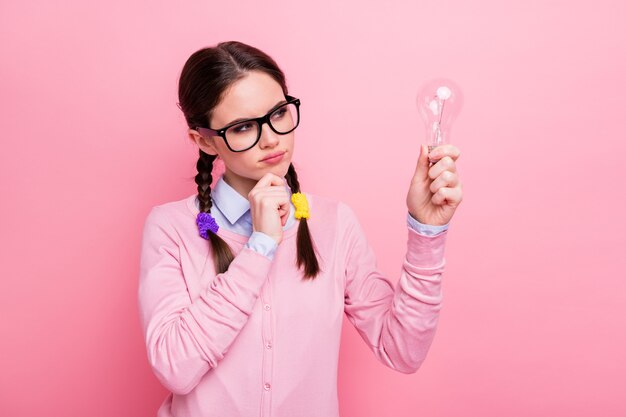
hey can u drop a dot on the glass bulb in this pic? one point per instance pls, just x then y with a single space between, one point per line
439 102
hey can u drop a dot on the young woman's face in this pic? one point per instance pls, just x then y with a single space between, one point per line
252 96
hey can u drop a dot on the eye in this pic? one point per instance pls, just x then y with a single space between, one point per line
279 113
240 128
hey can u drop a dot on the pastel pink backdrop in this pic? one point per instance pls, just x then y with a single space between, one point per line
533 322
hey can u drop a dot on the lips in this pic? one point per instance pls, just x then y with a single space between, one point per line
272 155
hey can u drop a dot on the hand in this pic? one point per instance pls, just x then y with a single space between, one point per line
435 191
269 206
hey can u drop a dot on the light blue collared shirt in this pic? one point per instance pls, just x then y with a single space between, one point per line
231 211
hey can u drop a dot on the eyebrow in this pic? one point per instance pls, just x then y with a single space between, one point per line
241 119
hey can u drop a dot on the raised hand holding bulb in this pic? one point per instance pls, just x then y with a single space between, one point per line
436 191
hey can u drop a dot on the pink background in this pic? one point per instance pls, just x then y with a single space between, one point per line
533 322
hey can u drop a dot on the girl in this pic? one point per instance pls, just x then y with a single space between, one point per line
243 285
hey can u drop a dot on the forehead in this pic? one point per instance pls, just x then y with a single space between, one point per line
251 96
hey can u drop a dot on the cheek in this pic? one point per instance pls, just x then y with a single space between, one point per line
241 162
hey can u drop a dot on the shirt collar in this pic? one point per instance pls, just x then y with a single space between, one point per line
232 204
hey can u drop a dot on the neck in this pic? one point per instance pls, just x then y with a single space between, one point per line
239 184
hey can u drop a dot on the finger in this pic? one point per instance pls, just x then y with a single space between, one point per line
445 179
276 190
269 182
445 150
447 196
439 198
283 204
284 215
278 196
444 164
283 212
277 199
421 169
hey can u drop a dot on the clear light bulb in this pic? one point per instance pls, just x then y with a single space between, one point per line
439 102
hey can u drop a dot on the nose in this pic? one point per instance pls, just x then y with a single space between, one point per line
269 138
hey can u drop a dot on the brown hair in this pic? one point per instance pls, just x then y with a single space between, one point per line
205 76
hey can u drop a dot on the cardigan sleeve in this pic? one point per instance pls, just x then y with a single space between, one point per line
185 339
398 323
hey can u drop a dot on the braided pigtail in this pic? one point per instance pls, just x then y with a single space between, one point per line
306 253
222 253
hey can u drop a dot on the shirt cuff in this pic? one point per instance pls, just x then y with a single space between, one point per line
262 243
425 229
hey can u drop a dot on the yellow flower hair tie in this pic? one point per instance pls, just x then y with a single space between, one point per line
302 206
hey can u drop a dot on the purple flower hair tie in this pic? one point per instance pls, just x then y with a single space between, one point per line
205 223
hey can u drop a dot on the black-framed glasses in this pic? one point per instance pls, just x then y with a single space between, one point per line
244 134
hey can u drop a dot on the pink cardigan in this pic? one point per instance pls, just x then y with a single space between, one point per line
259 341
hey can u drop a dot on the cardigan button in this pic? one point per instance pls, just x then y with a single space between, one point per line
267 307
267 386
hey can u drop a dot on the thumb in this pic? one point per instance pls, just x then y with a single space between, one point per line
423 163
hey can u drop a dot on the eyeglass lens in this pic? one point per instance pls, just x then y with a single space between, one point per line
243 135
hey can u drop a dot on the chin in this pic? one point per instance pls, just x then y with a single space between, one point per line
282 169
281 166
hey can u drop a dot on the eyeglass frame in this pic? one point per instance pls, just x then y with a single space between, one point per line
260 121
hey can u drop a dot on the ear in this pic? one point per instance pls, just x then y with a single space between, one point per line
206 144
